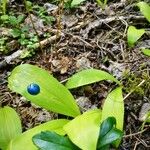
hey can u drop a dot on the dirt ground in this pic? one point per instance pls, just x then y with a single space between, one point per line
81 38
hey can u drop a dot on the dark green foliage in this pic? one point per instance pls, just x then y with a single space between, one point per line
53 141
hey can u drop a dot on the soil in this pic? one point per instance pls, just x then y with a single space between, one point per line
86 37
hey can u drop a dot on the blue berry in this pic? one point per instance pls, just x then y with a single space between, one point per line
33 89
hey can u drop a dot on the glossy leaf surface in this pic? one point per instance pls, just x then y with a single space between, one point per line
145 9
53 96
87 77
112 136
53 141
107 125
83 131
24 141
10 126
133 35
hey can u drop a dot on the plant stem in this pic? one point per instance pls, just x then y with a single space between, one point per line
134 89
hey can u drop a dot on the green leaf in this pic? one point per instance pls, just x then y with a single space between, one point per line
76 2
24 141
13 20
133 35
84 129
146 52
15 33
145 9
87 77
107 125
53 141
4 17
53 96
10 126
114 107
112 136
20 19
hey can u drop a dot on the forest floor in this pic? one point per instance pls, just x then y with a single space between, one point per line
73 39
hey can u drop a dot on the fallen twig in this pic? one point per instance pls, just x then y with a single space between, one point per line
99 22
9 59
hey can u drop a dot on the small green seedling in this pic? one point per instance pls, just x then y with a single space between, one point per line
133 35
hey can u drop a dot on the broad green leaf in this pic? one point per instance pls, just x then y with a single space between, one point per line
106 126
112 136
53 96
114 107
53 141
87 77
76 2
146 52
145 9
133 35
84 129
24 141
10 126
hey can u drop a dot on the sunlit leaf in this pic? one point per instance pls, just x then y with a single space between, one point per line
145 9
133 35
114 107
53 95
84 130
76 2
24 141
53 141
10 126
87 77
146 52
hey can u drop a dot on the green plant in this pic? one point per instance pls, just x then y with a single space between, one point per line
146 52
108 135
42 14
145 9
20 32
54 96
102 3
10 126
133 34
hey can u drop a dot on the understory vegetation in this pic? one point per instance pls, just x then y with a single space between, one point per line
74 75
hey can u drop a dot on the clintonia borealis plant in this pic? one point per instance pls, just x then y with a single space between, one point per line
104 127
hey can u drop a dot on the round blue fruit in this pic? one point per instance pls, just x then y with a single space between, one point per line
33 89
